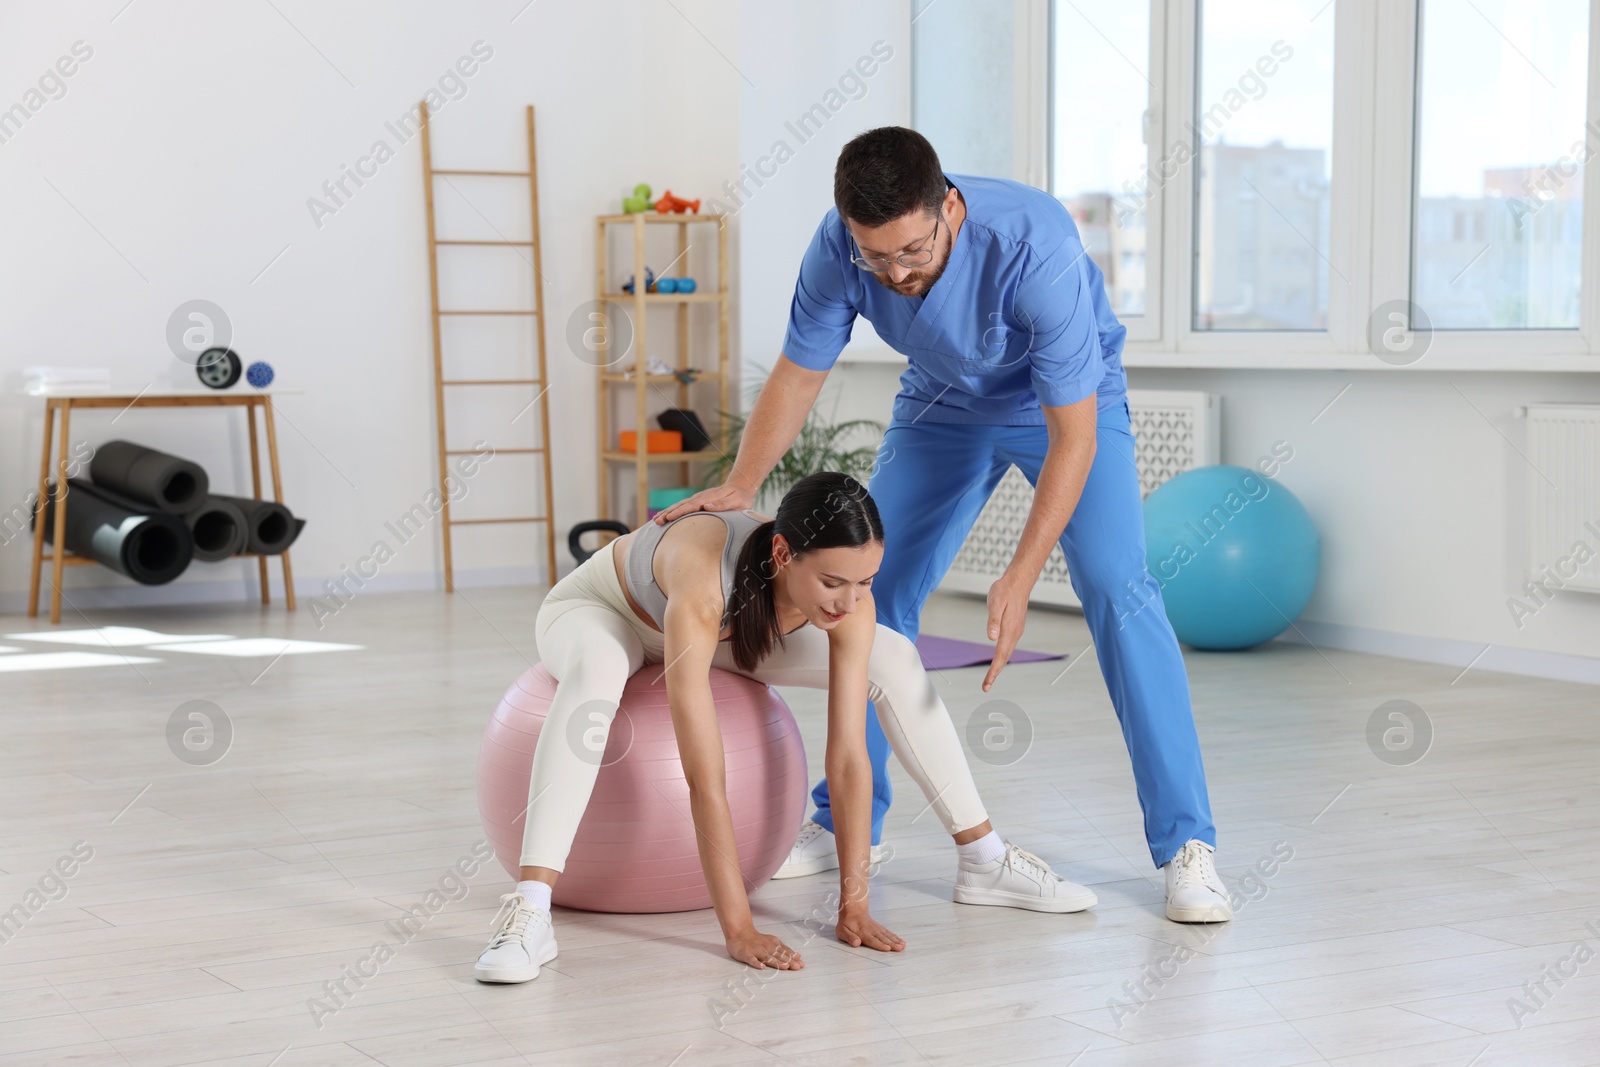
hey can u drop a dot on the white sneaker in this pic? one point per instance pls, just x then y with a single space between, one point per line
815 851
523 941
1019 879
1194 892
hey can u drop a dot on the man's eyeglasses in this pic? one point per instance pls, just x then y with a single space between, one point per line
921 257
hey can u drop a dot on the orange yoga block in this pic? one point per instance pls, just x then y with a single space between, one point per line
655 441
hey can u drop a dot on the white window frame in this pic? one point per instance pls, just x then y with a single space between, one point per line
1395 26
1374 131
1181 240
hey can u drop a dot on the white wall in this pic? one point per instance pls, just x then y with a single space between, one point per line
795 57
1418 484
1420 500
179 164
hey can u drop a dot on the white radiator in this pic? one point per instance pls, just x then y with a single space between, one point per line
1564 517
1172 432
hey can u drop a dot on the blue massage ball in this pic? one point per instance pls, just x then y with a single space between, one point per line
1235 553
259 374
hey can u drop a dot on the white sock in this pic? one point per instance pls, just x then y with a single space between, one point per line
985 849
536 893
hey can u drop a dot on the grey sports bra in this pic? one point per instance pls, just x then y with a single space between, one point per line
641 556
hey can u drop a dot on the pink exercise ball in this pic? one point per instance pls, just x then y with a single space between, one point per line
636 850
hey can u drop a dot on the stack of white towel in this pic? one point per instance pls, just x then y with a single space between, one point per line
37 381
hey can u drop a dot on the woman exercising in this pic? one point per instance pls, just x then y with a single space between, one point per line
786 601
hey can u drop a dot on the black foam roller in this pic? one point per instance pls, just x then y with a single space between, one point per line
218 527
156 479
269 526
151 547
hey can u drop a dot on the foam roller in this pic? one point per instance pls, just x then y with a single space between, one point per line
151 547
145 476
218 527
270 528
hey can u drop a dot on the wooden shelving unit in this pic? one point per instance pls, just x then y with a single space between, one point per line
67 401
658 391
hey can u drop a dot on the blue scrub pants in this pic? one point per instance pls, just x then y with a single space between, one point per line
930 483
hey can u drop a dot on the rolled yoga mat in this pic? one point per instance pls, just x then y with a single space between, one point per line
151 547
218 527
270 528
161 481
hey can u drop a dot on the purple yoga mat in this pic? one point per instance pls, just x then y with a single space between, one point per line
944 653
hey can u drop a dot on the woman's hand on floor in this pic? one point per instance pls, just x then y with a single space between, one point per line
857 928
762 951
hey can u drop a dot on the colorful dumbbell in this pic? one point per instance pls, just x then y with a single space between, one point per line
676 204
638 202
649 282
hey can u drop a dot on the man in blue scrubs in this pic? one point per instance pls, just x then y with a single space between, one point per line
1014 358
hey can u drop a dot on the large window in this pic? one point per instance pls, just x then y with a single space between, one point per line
1500 145
1098 155
1263 120
1294 183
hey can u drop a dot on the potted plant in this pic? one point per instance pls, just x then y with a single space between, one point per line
820 446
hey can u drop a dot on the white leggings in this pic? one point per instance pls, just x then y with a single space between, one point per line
601 643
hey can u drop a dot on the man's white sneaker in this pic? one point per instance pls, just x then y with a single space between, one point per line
1194 892
815 851
523 941
1019 879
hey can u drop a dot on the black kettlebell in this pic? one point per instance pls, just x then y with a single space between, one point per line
580 553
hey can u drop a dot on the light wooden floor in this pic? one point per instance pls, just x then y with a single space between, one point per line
1417 902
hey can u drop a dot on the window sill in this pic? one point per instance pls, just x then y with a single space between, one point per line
872 354
1502 362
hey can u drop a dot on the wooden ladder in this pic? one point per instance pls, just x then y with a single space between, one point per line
440 382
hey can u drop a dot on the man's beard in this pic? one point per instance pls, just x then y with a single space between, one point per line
922 282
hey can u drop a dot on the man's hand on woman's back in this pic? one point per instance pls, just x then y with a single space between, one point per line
720 498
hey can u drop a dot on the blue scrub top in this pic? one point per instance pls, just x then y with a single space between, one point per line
1019 317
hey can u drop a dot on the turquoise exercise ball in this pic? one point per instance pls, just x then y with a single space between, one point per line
1235 553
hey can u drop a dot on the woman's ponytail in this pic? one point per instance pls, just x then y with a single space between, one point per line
751 610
